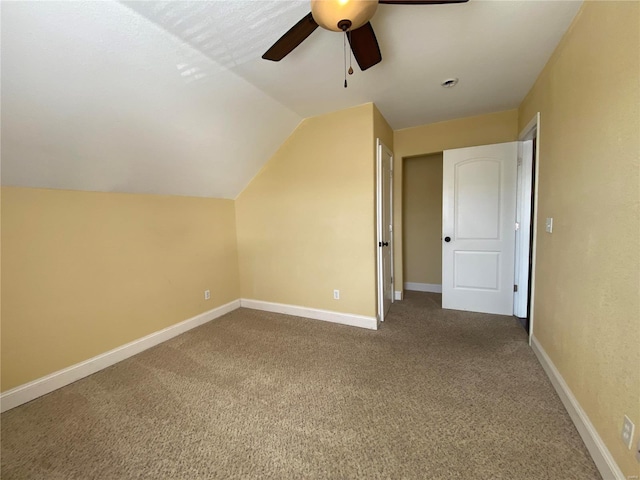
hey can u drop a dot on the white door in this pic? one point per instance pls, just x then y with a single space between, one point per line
384 210
478 228
523 228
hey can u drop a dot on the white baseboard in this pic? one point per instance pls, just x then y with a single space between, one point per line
423 287
398 295
313 313
599 452
32 390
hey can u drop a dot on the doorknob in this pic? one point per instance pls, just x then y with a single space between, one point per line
447 239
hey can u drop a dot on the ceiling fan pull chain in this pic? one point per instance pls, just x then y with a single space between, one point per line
344 47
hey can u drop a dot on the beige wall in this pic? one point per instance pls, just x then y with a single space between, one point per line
381 129
85 272
465 132
587 291
306 221
422 209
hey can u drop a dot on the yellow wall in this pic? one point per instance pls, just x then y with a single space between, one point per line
381 129
85 272
422 208
587 290
465 132
306 222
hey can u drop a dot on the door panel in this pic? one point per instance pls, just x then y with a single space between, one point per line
479 186
476 270
477 200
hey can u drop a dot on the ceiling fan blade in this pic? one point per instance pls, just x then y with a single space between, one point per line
290 40
420 2
364 46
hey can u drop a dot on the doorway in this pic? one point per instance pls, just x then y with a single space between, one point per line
422 213
526 222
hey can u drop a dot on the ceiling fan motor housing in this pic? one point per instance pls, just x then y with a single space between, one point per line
333 14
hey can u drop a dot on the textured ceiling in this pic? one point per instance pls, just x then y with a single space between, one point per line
496 49
173 97
96 97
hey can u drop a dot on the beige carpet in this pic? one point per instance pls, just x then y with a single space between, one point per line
432 395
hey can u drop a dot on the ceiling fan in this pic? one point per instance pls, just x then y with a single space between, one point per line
348 16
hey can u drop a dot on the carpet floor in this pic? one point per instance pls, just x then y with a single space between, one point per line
433 394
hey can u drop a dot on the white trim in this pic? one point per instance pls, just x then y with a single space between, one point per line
524 205
383 231
312 313
398 294
533 128
526 132
391 224
423 287
379 277
599 452
32 390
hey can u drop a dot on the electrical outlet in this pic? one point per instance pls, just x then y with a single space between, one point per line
627 431
638 451
336 294
207 294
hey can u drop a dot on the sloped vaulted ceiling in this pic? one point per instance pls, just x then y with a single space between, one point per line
97 97
173 97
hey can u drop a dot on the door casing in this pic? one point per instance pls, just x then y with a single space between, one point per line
532 132
384 229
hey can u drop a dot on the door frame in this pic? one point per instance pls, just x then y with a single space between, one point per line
380 147
531 132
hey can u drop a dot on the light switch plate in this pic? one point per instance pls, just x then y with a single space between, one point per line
548 226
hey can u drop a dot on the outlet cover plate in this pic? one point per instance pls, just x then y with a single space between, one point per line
627 431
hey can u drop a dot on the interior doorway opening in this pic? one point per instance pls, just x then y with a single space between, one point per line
422 222
525 256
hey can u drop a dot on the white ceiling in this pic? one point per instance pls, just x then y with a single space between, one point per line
173 97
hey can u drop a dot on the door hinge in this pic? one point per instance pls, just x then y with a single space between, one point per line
515 288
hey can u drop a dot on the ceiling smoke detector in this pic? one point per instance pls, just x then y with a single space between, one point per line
450 82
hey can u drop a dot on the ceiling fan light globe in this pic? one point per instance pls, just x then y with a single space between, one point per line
328 13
